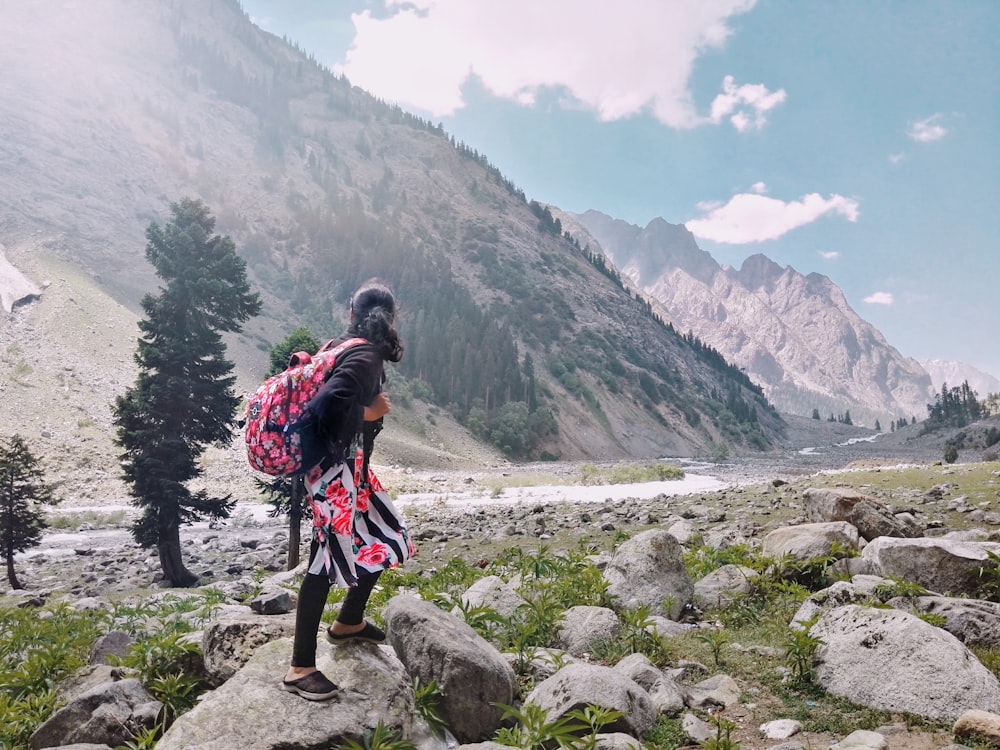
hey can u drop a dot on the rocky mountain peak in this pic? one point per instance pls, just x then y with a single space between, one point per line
759 272
794 334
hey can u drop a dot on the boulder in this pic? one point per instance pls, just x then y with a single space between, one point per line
870 517
718 691
943 566
808 540
583 628
495 593
720 587
894 661
114 644
111 713
862 739
229 641
981 726
836 595
373 685
648 570
666 694
973 621
580 685
472 675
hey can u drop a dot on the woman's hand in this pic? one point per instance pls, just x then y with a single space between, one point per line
378 408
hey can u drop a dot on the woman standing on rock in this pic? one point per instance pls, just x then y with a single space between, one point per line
357 532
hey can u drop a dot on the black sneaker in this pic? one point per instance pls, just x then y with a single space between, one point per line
313 687
368 634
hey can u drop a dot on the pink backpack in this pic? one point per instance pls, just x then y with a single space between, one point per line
273 429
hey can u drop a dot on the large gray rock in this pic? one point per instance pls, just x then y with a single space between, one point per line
373 684
978 725
836 595
868 515
718 691
943 566
111 714
580 685
648 570
973 621
720 587
666 694
472 675
808 540
894 661
495 593
230 640
583 628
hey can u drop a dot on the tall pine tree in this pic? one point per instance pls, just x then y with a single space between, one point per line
287 494
22 492
183 399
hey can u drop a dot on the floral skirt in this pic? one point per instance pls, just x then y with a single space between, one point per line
356 527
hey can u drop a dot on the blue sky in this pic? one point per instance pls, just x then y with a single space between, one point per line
856 139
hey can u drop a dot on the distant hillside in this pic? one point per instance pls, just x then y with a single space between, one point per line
948 373
512 328
795 335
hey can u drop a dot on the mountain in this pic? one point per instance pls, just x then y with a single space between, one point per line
795 335
512 328
947 373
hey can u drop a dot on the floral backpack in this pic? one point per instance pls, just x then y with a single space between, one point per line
274 414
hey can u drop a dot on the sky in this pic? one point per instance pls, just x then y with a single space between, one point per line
855 139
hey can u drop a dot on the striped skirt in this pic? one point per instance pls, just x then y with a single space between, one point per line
356 527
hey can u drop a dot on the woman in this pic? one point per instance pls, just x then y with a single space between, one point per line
357 532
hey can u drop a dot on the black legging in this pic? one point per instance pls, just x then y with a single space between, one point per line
309 613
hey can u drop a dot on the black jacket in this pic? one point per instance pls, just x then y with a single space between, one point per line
336 412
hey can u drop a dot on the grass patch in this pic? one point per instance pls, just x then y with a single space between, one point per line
629 473
116 519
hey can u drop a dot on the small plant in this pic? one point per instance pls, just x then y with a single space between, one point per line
481 618
934 618
723 736
427 699
800 649
897 588
666 734
635 637
379 738
576 730
989 575
716 639
145 740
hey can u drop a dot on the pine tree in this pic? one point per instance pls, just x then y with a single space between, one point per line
287 494
22 491
183 399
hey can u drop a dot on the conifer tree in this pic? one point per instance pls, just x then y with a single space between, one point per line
287 494
183 399
22 492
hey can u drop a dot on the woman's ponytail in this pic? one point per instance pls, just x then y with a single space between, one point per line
373 315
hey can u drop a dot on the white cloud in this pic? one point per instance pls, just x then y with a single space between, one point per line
897 158
424 51
879 298
759 187
746 106
750 217
928 130
829 255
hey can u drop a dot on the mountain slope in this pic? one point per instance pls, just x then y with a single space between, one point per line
795 335
510 326
947 373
